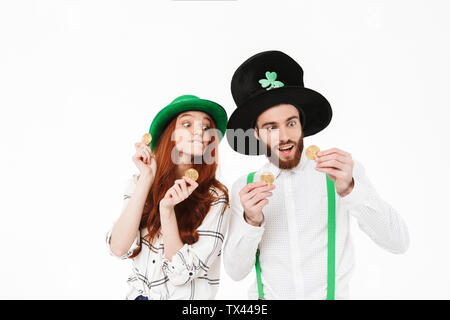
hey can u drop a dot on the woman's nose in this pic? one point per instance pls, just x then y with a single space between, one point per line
197 128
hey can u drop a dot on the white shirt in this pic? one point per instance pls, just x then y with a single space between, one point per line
293 236
194 272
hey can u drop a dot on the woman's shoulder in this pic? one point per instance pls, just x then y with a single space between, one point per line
217 193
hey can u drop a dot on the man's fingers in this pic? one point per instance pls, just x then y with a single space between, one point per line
250 186
333 164
334 172
256 191
257 198
261 204
333 150
333 156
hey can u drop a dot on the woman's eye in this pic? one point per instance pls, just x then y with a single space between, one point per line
186 124
206 128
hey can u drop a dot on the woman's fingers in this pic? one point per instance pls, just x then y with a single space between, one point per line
184 188
178 191
146 155
192 184
172 195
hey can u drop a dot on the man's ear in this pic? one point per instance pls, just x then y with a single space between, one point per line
256 133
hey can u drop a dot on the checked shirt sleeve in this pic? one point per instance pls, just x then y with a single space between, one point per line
194 260
129 189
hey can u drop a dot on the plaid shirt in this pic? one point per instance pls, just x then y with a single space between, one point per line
194 271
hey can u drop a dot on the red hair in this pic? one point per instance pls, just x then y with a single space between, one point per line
190 212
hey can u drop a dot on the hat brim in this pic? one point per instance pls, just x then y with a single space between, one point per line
315 113
163 118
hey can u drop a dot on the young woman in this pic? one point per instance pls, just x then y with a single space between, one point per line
171 226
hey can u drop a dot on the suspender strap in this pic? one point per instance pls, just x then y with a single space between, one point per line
257 265
258 277
331 242
331 239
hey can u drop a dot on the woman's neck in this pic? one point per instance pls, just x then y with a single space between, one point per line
181 168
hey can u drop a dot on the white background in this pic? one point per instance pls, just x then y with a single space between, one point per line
80 82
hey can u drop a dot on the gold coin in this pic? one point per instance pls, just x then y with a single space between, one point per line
191 174
267 177
312 151
147 138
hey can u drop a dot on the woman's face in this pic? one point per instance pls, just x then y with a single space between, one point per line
192 133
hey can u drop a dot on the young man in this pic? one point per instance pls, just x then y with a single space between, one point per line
299 225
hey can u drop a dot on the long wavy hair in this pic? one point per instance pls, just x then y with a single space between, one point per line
190 212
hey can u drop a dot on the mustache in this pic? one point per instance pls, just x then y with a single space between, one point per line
269 150
285 143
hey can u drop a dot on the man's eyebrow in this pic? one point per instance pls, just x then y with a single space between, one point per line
267 123
273 122
290 118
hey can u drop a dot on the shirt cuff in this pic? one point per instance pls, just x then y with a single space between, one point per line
178 271
358 196
250 231
134 246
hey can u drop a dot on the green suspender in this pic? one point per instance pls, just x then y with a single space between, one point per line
331 239
331 242
257 266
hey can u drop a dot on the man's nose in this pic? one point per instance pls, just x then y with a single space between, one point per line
283 135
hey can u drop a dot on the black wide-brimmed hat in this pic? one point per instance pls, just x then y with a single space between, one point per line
265 80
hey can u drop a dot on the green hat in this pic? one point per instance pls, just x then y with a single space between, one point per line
186 103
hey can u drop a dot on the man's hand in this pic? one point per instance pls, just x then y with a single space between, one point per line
253 198
338 164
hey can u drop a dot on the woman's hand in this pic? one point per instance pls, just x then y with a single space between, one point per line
145 160
181 190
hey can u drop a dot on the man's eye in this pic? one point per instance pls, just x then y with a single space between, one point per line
186 124
206 128
271 128
291 124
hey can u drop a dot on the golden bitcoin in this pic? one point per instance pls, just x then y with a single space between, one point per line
147 138
267 177
312 151
191 174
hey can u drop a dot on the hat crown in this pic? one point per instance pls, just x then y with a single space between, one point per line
184 98
264 71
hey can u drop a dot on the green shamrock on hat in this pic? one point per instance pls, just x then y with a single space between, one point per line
271 81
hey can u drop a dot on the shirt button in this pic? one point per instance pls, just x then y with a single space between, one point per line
154 261
190 273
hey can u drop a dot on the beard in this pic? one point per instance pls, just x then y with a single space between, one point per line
286 164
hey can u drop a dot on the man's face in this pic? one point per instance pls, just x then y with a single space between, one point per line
280 130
